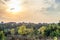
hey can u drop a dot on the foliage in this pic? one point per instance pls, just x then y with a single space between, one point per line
48 30
2 35
52 30
12 31
55 38
22 30
41 30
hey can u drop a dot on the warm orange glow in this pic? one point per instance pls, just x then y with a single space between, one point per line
14 6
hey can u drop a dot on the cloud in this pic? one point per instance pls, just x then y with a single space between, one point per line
53 7
57 1
44 10
37 11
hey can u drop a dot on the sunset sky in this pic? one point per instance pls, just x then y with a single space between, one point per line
35 11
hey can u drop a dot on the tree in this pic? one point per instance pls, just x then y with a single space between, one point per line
22 30
53 30
41 30
2 35
12 31
55 33
55 38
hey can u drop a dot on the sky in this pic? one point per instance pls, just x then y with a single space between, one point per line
36 11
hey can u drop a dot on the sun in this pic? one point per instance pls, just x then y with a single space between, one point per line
14 6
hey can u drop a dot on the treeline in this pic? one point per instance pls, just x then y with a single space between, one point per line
40 30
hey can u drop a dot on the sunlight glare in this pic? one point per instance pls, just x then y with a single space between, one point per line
14 6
